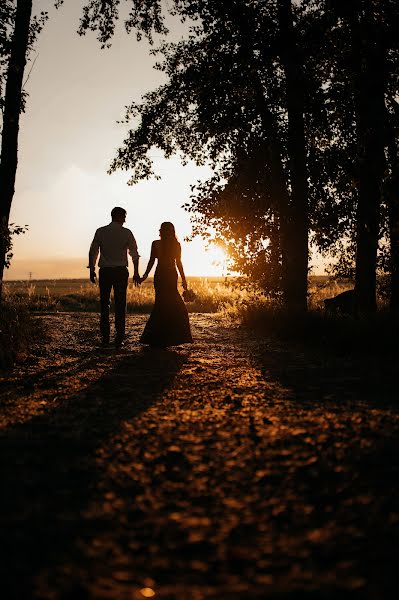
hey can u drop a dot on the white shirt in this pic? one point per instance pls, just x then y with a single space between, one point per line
113 242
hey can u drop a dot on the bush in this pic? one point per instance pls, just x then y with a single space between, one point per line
17 331
341 335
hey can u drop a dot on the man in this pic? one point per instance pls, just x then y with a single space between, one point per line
113 242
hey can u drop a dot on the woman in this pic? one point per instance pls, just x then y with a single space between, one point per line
168 324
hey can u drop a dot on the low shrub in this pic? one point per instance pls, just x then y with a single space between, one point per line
341 335
18 329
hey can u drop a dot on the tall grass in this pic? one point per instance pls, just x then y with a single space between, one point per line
321 288
344 335
234 305
212 296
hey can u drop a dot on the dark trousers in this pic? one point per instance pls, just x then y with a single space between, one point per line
117 278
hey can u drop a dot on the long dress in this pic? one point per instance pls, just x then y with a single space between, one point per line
168 324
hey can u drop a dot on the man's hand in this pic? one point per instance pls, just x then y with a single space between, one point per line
136 279
93 276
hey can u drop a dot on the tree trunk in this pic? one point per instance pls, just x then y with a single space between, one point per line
281 195
394 243
292 211
12 109
297 225
392 193
282 200
279 188
368 58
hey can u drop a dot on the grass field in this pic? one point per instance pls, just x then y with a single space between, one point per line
213 294
231 302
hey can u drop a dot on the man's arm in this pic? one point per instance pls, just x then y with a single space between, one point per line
136 276
132 246
93 255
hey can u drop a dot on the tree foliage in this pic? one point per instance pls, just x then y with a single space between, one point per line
7 233
225 103
145 17
7 22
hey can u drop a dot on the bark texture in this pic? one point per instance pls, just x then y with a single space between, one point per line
368 59
296 237
392 194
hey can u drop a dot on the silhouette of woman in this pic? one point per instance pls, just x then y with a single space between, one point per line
168 324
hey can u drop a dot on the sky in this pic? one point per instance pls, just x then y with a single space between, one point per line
68 137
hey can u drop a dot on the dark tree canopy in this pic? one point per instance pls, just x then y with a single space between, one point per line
145 17
225 103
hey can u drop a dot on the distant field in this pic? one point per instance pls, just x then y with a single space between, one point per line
61 287
213 294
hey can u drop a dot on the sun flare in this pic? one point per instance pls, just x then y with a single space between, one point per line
217 257
203 259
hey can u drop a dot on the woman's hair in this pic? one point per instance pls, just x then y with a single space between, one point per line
167 231
168 236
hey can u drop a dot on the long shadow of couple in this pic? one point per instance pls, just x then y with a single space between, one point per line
50 469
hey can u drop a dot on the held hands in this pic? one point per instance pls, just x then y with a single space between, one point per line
93 276
137 279
143 278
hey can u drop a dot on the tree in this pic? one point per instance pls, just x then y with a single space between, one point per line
19 32
227 95
392 198
297 230
13 100
391 187
285 100
368 49
361 71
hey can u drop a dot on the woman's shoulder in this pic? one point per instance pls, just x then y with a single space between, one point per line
154 247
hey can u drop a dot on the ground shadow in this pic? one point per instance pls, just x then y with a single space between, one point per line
48 465
346 413
322 375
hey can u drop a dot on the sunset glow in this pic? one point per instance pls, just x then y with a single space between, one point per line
68 136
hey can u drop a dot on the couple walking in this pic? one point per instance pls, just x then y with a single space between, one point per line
168 324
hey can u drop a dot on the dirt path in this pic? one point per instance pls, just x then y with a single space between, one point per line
234 468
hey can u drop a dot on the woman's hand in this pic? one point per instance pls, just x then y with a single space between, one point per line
143 278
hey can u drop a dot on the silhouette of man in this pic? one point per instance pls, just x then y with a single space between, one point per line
113 242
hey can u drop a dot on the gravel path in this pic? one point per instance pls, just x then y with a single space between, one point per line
233 468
